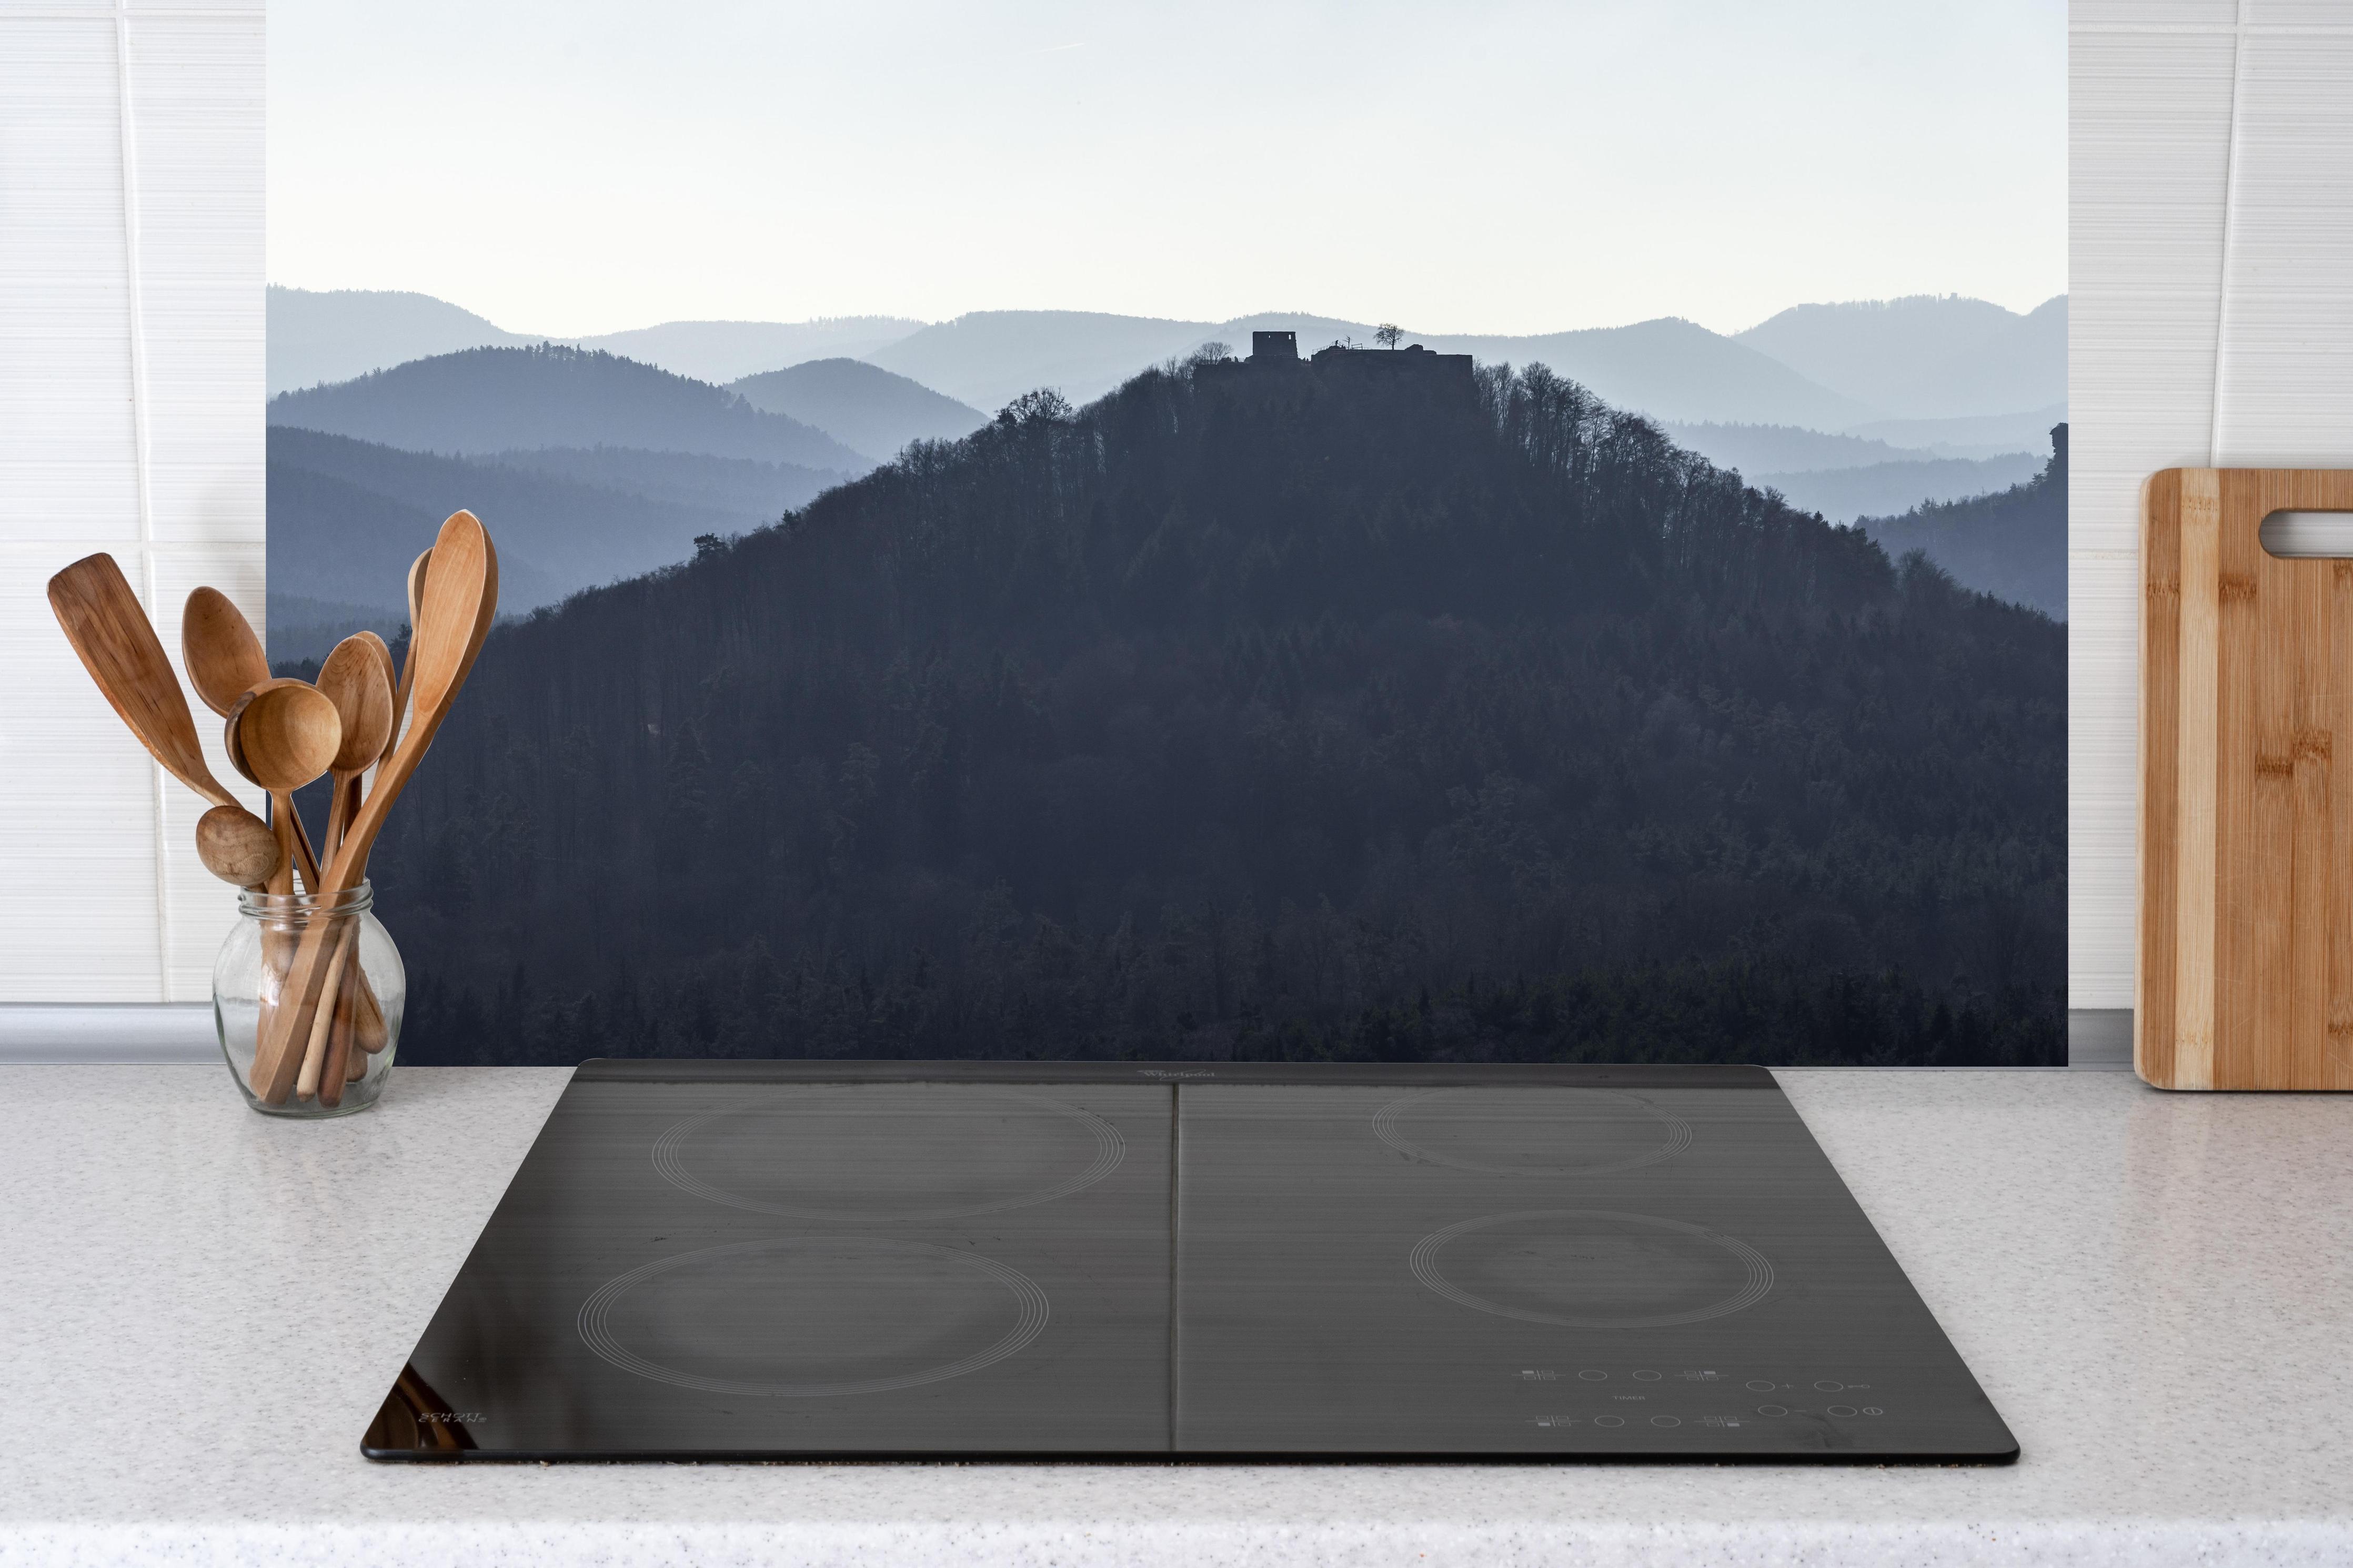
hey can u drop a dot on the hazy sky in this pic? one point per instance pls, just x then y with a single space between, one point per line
590 165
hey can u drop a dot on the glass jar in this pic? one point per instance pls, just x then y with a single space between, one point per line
325 1053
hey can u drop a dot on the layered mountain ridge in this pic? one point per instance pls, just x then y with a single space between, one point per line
1316 716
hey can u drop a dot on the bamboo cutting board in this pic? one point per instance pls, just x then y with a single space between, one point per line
2246 812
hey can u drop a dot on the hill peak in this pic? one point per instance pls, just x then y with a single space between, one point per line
483 400
872 410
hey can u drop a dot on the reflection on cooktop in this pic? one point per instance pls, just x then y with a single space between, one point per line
813 1318
901 1152
894 1259
1521 1133
1589 1269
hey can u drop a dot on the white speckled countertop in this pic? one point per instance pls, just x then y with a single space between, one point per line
200 1308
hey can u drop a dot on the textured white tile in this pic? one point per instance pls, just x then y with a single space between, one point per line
2285 388
2149 141
2149 125
2103 504
2326 14
2103 731
2148 161
2140 378
77 921
2144 14
198 908
67 448
197 117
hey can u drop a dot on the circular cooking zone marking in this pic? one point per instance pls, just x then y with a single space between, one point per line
870 1153
813 1317
1591 1268
1530 1131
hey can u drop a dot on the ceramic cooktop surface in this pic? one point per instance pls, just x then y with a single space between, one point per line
1045 1260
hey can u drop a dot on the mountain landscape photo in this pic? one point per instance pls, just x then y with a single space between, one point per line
1290 712
1306 713
1324 533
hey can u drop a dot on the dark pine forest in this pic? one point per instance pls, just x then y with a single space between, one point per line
1292 715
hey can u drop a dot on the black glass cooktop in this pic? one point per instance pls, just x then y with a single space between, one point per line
1041 1260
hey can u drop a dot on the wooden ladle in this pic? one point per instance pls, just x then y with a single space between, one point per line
282 734
116 643
353 679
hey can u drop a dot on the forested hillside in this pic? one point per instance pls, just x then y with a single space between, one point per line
1284 716
2011 543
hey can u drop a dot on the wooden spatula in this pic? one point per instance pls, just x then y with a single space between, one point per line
110 632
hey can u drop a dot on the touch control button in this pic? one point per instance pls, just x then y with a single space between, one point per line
1844 1410
1772 1410
1828 1387
1664 1421
1646 1377
1761 1386
1609 1421
1589 1375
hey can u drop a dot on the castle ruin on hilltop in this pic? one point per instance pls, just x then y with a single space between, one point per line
1276 355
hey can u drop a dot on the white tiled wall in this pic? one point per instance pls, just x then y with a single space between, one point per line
2211 148
131 394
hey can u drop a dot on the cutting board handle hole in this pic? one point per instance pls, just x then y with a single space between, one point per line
2304 535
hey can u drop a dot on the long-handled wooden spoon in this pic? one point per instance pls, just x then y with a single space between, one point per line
224 657
353 680
417 600
224 661
356 677
458 606
282 734
392 684
417 573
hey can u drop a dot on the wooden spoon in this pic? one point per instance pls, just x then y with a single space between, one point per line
283 734
297 853
110 633
459 603
368 1028
237 847
392 684
224 660
417 570
353 680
